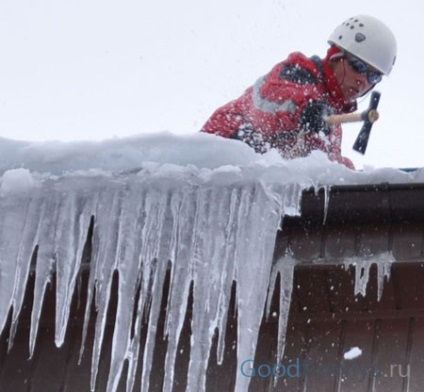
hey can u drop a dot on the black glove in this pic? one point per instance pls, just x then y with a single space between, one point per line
312 118
258 141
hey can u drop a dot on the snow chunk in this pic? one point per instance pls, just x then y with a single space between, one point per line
16 181
353 353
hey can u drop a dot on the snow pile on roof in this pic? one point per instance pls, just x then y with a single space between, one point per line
201 150
209 206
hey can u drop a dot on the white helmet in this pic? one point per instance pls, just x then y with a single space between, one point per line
368 39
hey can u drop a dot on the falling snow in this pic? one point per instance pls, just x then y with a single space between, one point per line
353 353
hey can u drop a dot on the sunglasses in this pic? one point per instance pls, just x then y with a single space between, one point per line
360 66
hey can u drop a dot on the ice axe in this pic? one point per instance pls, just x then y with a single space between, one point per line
368 116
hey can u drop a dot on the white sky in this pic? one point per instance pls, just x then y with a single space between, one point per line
91 69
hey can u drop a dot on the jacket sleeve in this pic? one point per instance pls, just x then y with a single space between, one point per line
223 122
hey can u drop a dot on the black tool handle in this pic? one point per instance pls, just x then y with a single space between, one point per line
361 141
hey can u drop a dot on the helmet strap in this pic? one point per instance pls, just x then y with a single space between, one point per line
344 67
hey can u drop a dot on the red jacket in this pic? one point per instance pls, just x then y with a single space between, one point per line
285 109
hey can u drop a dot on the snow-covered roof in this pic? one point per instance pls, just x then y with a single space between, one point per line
210 206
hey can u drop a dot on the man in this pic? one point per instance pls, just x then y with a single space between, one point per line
287 108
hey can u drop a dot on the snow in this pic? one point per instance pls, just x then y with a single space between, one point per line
353 353
16 181
209 207
201 150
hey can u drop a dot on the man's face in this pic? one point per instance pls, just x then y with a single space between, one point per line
355 77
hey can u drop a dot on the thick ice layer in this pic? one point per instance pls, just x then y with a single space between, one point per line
214 227
212 216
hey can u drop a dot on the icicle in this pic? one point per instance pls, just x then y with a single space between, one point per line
327 190
73 224
284 267
384 267
129 265
260 220
227 274
156 292
185 212
46 257
292 199
106 229
153 285
26 252
13 219
212 279
362 274
362 271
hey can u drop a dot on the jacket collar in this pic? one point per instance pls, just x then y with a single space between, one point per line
335 92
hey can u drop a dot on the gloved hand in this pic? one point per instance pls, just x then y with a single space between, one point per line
258 141
312 118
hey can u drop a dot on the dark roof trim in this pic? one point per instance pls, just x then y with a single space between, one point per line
378 203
